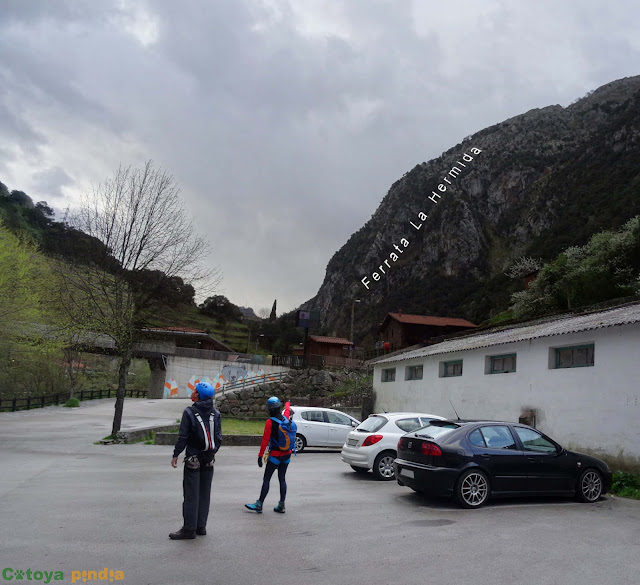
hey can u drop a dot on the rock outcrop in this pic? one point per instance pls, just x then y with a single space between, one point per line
536 184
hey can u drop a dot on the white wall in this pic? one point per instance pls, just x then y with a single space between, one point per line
181 369
596 408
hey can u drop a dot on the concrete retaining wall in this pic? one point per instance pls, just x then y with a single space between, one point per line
182 369
133 435
227 440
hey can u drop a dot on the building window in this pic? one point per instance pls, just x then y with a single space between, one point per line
413 373
502 364
577 356
450 369
389 375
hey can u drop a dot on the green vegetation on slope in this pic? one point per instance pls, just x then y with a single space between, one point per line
626 485
606 267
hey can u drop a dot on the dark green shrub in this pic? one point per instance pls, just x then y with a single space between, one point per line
626 485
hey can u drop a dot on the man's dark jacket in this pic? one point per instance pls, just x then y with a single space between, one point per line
190 434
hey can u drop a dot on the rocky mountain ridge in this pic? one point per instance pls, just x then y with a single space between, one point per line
537 183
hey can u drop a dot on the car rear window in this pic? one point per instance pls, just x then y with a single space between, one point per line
437 429
372 424
408 424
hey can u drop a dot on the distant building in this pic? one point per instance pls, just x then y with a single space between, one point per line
328 351
334 346
401 330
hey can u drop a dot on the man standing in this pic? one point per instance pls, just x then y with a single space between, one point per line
201 433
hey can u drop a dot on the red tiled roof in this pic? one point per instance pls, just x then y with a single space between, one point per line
334 340
428 320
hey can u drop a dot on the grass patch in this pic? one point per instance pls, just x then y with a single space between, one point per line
236 426
72 403
148 439
151 439
107 438
499 318
626 485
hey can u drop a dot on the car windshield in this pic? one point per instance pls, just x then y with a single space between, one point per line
436 429
372 424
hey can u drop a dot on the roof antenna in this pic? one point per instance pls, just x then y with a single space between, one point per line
454 408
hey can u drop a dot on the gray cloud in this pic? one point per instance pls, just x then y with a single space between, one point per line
284 123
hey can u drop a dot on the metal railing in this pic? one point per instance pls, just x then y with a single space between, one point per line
13 404
253 381
315 361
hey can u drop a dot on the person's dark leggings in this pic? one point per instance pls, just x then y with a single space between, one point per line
196 485
268 472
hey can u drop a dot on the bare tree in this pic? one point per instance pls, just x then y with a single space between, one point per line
264 312
140 228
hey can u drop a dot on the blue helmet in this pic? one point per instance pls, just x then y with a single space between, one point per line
205 390
273 403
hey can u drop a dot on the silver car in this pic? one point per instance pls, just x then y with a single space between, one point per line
321 427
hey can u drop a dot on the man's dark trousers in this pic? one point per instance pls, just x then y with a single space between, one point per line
196 485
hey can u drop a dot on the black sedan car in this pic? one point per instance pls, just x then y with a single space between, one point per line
476 460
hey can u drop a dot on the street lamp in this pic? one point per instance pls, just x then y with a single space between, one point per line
353 308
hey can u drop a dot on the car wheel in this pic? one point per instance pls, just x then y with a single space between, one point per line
301 443
359 469
418 491
472 489
589 486
383 466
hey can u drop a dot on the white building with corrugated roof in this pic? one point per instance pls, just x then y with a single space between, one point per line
576 378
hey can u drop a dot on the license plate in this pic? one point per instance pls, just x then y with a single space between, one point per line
407 472
352 442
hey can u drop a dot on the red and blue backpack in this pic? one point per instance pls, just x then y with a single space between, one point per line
284 439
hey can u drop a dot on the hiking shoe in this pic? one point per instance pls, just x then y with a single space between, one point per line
202 531
182 534
279 508
257 507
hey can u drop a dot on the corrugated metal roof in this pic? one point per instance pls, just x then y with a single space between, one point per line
558 326
429 320
336 340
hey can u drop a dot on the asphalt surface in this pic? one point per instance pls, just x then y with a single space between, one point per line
68 505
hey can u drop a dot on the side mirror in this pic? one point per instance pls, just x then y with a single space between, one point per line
560 450
354 424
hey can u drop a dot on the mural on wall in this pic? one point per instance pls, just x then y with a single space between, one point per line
171 389
228 375
233 373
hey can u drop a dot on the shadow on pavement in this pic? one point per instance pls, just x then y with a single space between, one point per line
411 498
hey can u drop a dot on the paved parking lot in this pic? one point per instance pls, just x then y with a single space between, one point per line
66 504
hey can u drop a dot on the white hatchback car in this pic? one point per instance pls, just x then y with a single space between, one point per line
321 427
372 445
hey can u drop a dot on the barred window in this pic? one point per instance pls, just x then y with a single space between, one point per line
450 369
503 364
579 356
414 373
389 375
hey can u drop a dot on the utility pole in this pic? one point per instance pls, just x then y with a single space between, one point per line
353 308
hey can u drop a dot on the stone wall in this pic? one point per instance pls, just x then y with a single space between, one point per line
299 384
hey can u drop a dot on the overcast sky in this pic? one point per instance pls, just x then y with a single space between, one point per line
284 123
